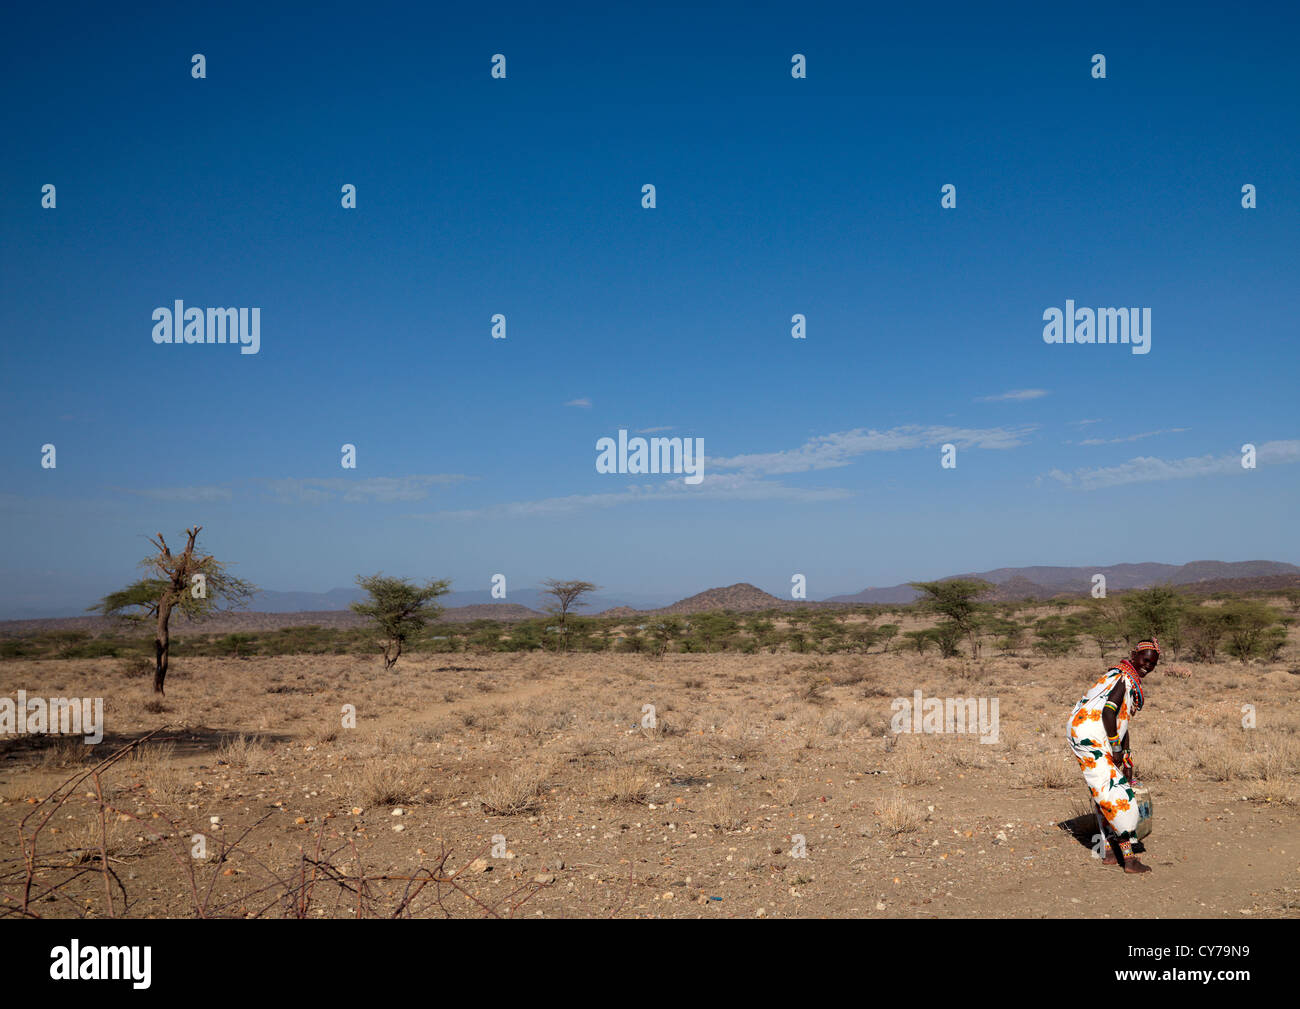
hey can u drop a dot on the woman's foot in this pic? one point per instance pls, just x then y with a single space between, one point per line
1131 864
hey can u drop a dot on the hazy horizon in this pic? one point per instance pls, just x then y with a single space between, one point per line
529 594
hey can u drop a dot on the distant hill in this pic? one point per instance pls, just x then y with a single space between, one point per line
1046 582
1263 583
329 609
740 597
619 611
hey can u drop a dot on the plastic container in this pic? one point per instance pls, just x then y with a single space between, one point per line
1142 796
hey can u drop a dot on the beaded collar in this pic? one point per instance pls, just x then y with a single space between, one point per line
1130 673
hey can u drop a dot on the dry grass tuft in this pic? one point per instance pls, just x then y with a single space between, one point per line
910 764
244 751
388 780
516 794
899 816
1049 770
627 783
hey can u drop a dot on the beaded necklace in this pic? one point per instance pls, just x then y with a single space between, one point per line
1134 681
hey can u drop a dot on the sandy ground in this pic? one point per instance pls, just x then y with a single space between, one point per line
699 816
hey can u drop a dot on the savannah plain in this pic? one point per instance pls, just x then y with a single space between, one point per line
595 814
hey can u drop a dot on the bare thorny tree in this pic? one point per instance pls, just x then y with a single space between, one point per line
187 582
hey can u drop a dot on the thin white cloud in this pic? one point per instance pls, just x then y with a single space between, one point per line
716 487
314 490
182 494
748 483
654 430
839 449
1014 394
583 402
1132 437
1146 469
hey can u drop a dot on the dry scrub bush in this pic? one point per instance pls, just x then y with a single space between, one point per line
899 816
851 676
537 724
811 730
388 780
834 724
1283 793
971 755
325 735
628 783
874 688
65 751
813 690
435 731
136 666
514 794
1048 770
911 765
727 810
1275 757
1174 759
154 767
249 752
120 839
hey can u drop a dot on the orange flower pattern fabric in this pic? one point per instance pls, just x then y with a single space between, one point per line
1087 737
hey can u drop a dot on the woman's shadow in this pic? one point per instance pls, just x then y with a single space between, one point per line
1083 828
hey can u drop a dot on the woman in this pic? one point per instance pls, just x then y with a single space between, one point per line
1099 739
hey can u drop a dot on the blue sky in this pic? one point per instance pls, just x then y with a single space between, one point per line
522 196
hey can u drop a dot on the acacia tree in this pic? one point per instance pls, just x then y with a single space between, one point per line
662 632
1104 622
1156 611
189 582
567 596
400 608
955 599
